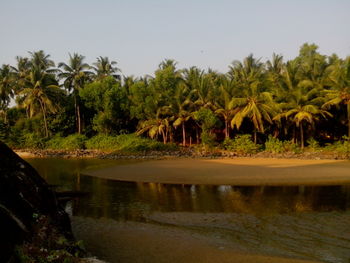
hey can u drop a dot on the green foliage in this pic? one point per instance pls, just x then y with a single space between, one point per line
207 118
72 142
274 145
127 143
313 144
109 100
342 147
294 98
32 141
103 142
208 139
242 144
290 146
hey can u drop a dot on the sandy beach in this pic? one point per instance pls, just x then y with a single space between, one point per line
237 171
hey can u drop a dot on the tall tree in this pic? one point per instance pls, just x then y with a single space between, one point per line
75 74
6 89
38 94
223 106
103 68
338 78
254 102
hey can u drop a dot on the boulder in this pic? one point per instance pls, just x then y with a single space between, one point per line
25 196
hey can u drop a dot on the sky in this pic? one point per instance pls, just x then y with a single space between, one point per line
140 34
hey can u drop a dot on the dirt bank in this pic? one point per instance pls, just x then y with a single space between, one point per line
236 171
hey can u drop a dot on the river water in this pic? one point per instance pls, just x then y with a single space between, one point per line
308 222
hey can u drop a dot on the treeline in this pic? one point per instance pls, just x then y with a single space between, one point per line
295 100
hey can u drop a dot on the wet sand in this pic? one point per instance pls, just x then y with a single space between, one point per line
139 242
237 171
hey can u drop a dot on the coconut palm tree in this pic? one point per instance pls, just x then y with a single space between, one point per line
338 78
223 106
103 68
155 126
180 108
302 101
254 102
75 74
6 88
39 93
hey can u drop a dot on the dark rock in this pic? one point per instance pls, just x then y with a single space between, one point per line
23 196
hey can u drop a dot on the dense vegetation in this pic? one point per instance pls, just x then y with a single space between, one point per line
283 103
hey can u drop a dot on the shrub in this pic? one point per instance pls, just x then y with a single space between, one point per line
290 146
274 145
208 139
342 146
32 141
103 142
241 144
72 142
313 144
127 143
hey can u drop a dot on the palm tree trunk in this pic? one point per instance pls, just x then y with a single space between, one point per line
164 136
227 135
255 137
197 135
301 136
183 134
45 121
78 119
77 114
348 109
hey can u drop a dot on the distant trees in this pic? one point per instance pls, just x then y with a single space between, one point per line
286 99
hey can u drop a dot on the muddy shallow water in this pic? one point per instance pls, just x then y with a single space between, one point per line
306 222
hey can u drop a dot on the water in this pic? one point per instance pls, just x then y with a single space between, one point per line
310 222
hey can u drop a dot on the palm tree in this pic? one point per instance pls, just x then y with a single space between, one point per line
302 100
75 75
223 105
38 94
6 88
180 108
41 61
338 78
155 126
104 67
254 103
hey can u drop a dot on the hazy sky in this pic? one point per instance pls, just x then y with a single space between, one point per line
140 34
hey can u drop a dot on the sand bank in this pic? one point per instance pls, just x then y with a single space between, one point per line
237 171
140 242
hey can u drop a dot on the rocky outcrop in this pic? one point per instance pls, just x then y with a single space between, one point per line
24 197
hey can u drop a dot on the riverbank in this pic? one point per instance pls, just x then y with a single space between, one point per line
188 152
234 171
148 243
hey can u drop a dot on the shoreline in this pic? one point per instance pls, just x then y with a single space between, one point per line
235 171
182 153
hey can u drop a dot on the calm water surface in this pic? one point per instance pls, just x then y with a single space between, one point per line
311 222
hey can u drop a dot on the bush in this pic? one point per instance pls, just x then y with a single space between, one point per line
342 146
274 145
290 146
102 142
208 139
242 144
32 141
72 142
313 144
127 143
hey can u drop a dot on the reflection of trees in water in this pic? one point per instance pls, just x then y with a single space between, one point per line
261 199
126 200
